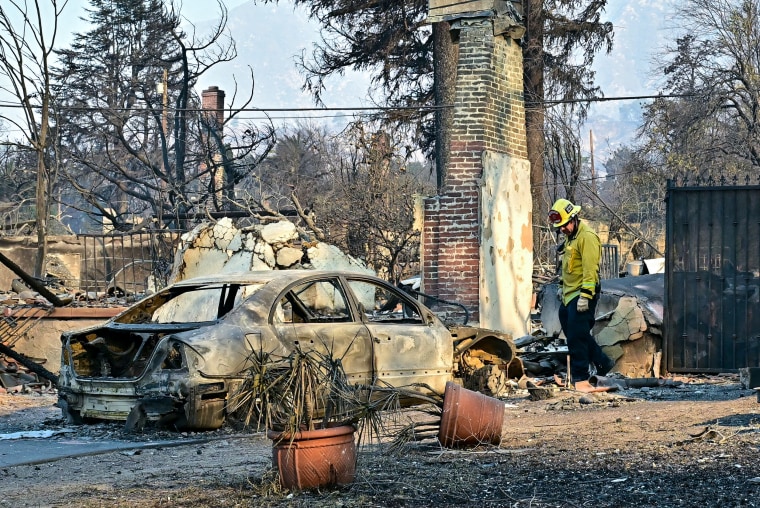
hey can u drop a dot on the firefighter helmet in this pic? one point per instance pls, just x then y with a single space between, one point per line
562 211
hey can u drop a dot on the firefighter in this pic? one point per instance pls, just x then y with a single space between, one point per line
579 293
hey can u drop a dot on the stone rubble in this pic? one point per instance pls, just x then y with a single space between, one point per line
225 248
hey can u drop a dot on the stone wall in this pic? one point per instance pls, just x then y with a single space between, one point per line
224 248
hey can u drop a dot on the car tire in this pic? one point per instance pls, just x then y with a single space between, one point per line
208 416
70 416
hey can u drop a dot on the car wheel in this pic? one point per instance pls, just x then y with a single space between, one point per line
71 416
209 415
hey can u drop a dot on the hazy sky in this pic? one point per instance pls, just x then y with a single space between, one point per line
194 10
269 36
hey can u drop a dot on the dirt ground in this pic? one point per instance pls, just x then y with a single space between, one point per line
692 445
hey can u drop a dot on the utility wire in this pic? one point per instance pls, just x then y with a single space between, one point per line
361 108
158 108
622 98
590 179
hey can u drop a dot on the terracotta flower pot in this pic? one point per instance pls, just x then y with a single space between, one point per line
469 418
315 458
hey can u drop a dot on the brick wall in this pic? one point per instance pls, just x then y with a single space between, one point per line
489 116
212 102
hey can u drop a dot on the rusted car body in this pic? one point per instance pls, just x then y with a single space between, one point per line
177 355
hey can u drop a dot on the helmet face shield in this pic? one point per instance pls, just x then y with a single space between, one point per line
562 212
555 217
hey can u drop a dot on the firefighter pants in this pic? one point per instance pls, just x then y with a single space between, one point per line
581 345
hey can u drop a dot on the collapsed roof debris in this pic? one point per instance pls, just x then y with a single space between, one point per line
17 378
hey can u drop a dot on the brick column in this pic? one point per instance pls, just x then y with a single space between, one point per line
466 242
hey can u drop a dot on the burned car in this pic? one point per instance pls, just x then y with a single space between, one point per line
176 356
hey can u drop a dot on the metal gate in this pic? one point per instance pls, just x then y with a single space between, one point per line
712 284
609 265
127 263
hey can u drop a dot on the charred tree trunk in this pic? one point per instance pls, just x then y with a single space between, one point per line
43 204
32 282
533 73
29 364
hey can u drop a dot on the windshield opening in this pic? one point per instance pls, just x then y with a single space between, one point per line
189 304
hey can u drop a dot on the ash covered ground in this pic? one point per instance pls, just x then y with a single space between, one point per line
696 444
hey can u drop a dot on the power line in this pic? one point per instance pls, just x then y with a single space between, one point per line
605 176
430 108
249 110
295 117
622 98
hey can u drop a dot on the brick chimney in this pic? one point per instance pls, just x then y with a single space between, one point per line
212 102
477 237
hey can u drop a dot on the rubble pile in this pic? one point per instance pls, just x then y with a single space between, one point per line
14 377
224 248
628 328
21 295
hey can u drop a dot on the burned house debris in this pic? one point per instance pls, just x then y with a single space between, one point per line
628 326
139 352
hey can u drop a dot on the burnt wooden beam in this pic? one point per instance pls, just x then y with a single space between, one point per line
29 364
32 282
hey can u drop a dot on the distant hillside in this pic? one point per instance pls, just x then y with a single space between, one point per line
640 31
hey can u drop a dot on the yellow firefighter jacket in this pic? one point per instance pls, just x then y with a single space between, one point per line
580 264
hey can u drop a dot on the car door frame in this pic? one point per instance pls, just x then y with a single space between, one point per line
400 347
351 337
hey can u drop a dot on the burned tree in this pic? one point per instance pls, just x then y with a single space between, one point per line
27 38
138 140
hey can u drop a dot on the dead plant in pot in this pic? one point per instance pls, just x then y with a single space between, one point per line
311 412
303 391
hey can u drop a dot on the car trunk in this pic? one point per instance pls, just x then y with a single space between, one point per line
117 352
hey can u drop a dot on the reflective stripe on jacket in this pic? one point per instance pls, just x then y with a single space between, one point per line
580 264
